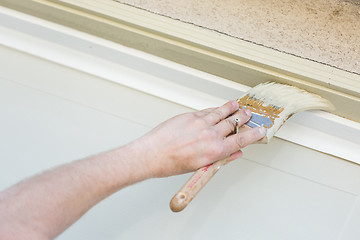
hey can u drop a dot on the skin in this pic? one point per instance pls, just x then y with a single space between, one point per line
45 205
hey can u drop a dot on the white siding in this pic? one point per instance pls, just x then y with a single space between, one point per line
51 114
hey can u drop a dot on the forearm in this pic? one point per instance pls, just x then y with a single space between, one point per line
45 205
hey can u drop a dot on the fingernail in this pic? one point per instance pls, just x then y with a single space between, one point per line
248 112
235 104
262 131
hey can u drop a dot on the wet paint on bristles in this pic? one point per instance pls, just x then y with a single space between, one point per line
272 104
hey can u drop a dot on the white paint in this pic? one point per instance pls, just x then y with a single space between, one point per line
164 79
52 113
270 194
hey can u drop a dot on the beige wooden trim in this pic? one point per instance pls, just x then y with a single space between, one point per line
202 49
153 76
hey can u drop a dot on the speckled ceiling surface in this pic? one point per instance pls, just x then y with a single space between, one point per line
325 31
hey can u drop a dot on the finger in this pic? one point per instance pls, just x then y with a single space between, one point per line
208 110
204 112
222 112
234 156
237 141
228 125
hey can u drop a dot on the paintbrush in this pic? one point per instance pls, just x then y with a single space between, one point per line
271 104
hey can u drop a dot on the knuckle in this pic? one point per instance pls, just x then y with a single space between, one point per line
215 151
230 124
198 114
189 116
240 141
199 121
207 110
218 114
208 134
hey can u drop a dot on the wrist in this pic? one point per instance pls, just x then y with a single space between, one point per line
151 159
139 159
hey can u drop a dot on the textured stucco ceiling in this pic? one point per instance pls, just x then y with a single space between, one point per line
325 31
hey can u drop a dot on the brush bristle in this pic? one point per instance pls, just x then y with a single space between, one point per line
278 102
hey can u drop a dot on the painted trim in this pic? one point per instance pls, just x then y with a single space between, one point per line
165 79
206 50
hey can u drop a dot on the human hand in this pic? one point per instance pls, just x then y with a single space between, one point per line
192 140
182 144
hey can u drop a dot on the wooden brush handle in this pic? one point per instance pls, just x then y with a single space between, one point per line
195 183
